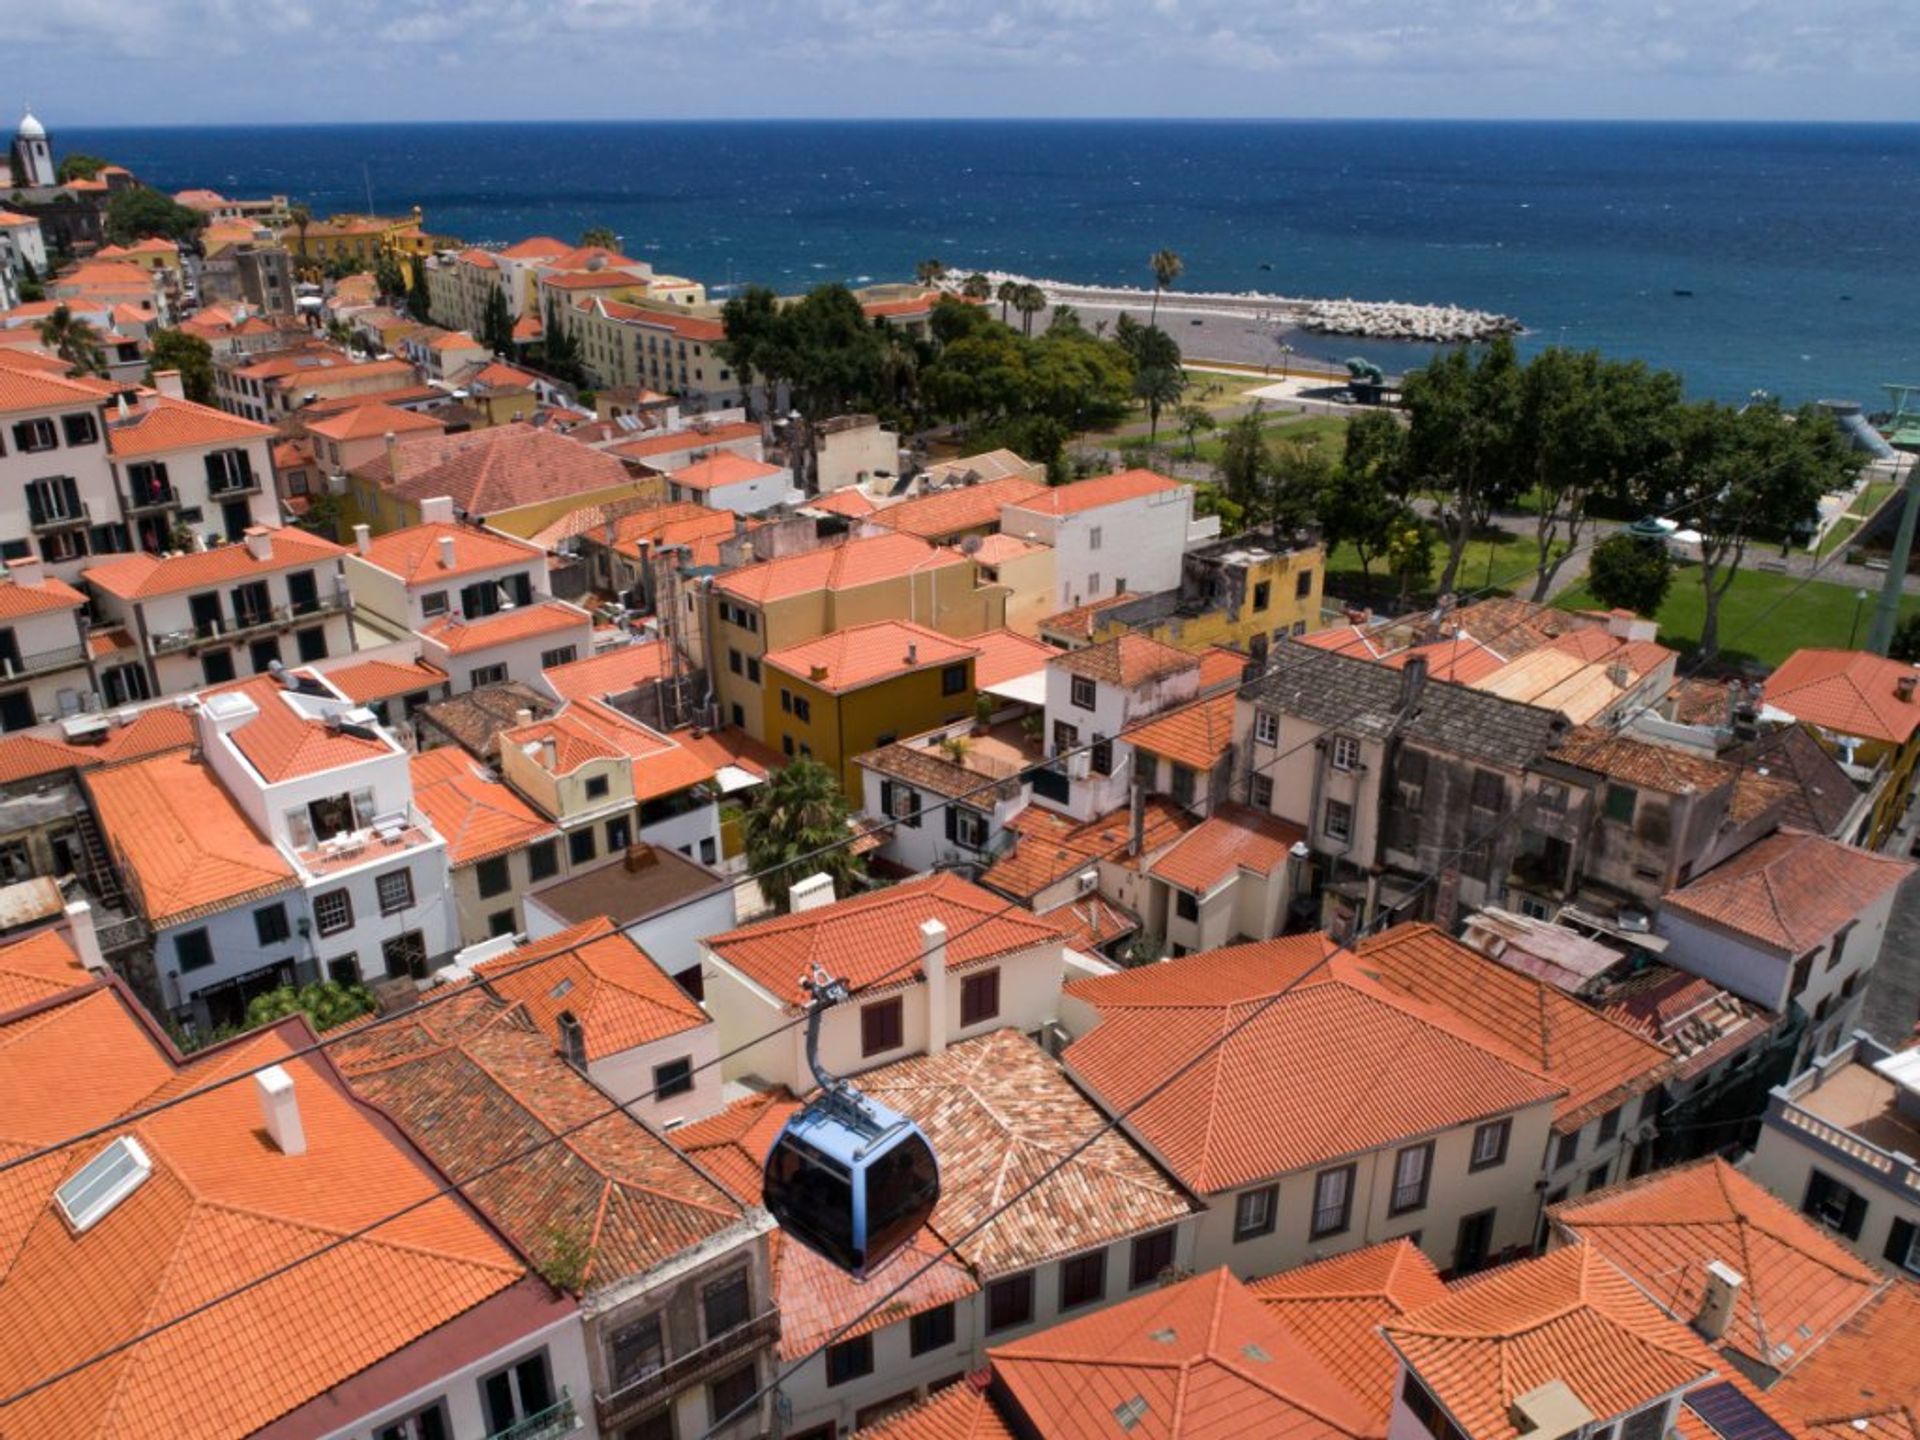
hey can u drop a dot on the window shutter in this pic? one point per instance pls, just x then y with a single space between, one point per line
953 822
886 798
36 506
70 488
1856 1214
216 472
21 438
913 808
1900 1242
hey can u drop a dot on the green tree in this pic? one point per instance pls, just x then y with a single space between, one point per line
419 298
977 287
1159 386
328 1003
830 354
599 237
1029 302
300 217
802 809
1006 293
1906 640
1194 421
1627 572
1166 267
1299 474
74 340
496 323
138 212
1409 553
191 356
1242 466
752 346
389 277
559 346
1462 409
79 167
930 271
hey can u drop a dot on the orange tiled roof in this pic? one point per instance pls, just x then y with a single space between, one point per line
140 577
504 467
1128 661
39 966
536 247
52 593
1568 1316
1638 762
1850 1379
477 815
613 987
868 936
221 1210
1463 659
867 561
614 671
1196 734
1601 1062
1111 489
1664 1229
720 469
960 1411
733 1144
462 636
868 654
181 841
1080 621
414 553
1204 1360
371 680
945 513
850 502
1005 656
584 730
997 549
1791 890
162 423
668 317
1222 668
370 420
282 744
1850 692
1233 838
1336 1065
1093 921
24 388
160 728
1052 847
674 441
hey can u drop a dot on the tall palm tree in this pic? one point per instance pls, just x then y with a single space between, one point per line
1030 300
300 217
930 271
1006 295
977 287
801 809
1166 269
74 341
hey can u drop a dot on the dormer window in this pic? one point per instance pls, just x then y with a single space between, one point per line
102 1183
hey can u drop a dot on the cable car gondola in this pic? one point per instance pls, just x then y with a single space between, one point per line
848 1177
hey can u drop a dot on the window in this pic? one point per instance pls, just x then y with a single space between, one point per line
395 889
1303 585
1644 1424
619 833
311 643
582 845
486 675
228 470
725 1304
522 1389
1261 792
1065 737
1093 583
1903 1246
1568 1150
270 924
562 656
1253 1212
428 1424
1490 1145
1338 823
52 502
931 1330
1834 1205
1424 1408
735 663
753 671
30 437
732 1392
1083 1280
597 787
786 701
953 679
543 860
673 1078
193 950
1083 692
333 912
882 1026
1094 537
980 997
1266 728
1597 1178
1332 1201
1489 791
1262 596
849 1360
502 922
639 1350
433 603
1412 1169
405 955
1609 1124
1152 1258
1100 756
147 484
495 877
1619 803
969 827
1186 905
1009 1302
1346 753
1182 784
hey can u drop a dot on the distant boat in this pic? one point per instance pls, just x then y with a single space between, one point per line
1265 266
1683 294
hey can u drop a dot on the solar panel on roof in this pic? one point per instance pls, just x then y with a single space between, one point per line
1732 1415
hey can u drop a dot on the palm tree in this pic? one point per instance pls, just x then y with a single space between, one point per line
74 341
1160 386
599 237
1029 301
800 811
301 217
977 287
1006 295
1166 269
930 271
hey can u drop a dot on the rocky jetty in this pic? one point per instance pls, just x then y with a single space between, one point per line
1392 320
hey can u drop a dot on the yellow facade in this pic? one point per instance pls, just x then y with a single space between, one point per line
802 719
364 239
1281 596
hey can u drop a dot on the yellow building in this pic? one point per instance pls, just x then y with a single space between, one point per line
1866 709
364 239
1242 593
857 689
664 347
788 601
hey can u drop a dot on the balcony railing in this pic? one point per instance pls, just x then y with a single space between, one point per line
619 1408
65 520
14 666
225 631
557 1419
226 489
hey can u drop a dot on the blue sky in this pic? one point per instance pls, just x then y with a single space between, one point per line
196 61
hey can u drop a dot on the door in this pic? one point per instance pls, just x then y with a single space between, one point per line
217 666
263 654
205 609
1475 1243
235 517
303 592
16 711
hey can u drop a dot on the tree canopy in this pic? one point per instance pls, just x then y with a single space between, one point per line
191 356
599 237
1629 572
138 212
802 809
328 1003
78 166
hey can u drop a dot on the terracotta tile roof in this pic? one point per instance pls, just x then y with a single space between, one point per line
1197 734
1005 656
479 259
918 305
475 1084
367 421
671 318
1094 921
1222 668
1601 1062
282 744
1791 890
152 731
720 469
733 1144
140 577
461 636
369 680
961 1411
473 719
39 966
575 742
496 376
1515 626
731 746
868 654
615 671
1462 659
1233 838
1052 847
876 934
1819 796
1850 692
613 987
162 423
943 514
1849 1378
536 247
181 841
217 1212
1638 762
974 469
1697 1021
1561 676
673 441
850 501
1755 795
679 523
1201 1360
1334 1309
1122 485
474 813
996 549
503 467
1080 621
24 388
1128 661
1568 1316
929 768
1337 1066
52 593
1664 1230
585 730
414 553
868 561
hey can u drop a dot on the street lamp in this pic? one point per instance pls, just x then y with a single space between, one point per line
1286 358
1859 599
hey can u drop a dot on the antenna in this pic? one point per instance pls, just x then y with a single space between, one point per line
367 177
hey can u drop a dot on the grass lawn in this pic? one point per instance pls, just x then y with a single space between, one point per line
1756 622
1217 391
1841 531
1326 432
1506 562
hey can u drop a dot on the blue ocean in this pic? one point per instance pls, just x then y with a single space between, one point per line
1795 244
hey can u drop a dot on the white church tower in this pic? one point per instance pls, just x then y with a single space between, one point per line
32 154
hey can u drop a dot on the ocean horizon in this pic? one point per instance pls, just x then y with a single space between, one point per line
1763 255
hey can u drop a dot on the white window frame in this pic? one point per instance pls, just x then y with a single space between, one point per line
1343 831
1346 753
1266 728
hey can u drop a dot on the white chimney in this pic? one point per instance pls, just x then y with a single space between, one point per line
1717 1300
259 542
84 938
446 552
933 964
280 1108
363 539
437 510
523 716
30 573
169 383
811 893
550 754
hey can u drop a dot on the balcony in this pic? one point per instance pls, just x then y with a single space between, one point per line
40 520
153 497
637 1398
15 667
230 487
559 1418
226 631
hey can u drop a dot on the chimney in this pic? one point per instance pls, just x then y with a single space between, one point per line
913 653
1413 680
30 573
437 510
363 539
1717 1300
393 456
84 938
259 542
446 552
573 1040
550 753
933 964
816 673
641 857
280 1108
1903 688
1619 674
168 383
1137 816
523 716
810 894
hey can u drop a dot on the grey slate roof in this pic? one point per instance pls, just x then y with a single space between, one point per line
1361 698
1822 794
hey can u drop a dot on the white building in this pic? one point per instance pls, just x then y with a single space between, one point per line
1093 695
408 580
1116 534
728 481
954 803
44 670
